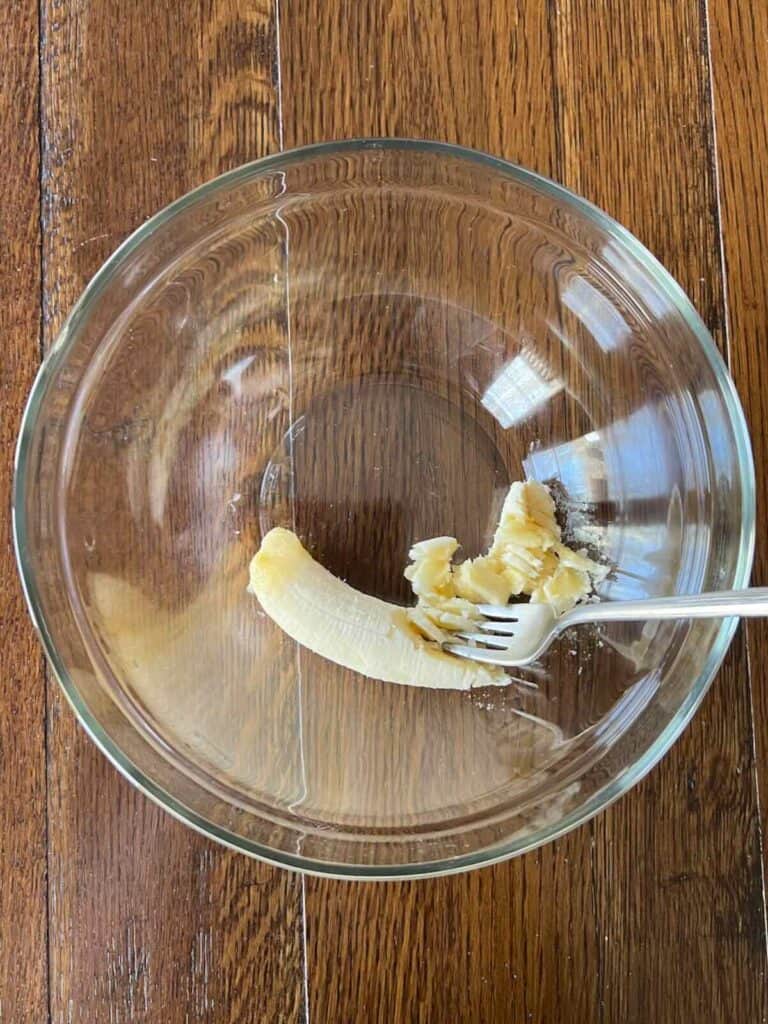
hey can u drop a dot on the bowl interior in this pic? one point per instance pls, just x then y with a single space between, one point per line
368 344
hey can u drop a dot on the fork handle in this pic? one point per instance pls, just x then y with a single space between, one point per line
752 603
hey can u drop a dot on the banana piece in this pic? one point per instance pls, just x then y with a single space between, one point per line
527 556
355 630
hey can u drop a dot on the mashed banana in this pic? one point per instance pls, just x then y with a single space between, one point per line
527 556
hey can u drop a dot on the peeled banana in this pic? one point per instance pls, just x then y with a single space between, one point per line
360 632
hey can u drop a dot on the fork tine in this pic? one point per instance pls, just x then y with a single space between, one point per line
485 638
484 654
497 611
504 627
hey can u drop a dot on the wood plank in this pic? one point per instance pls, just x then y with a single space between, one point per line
633 87
473 74
739 43
615 102
23 955
147 920
468 947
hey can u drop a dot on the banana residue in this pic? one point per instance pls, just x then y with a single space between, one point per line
527 557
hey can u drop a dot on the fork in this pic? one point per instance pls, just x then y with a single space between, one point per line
517 634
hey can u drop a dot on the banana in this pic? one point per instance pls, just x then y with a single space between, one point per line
360 632
402 645
527 556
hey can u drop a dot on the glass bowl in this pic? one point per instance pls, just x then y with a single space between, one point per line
368 341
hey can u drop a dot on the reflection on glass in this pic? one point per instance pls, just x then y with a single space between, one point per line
518 391
600 317
637 279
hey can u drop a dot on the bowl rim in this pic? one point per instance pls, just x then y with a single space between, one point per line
603 797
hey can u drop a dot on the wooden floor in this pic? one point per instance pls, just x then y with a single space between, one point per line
657 110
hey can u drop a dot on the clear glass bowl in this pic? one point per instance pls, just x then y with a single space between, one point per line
369 341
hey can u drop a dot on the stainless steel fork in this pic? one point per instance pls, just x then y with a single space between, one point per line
517 634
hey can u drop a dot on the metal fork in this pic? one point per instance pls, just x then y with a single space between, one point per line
517 634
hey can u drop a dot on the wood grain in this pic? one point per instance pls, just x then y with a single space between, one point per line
149 922
23 956
739 41
473 947
613 99
654 911
648 160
